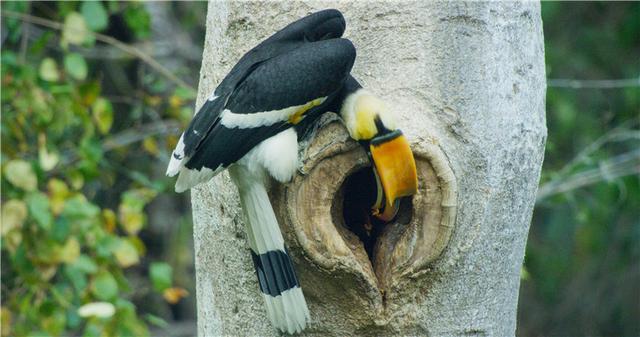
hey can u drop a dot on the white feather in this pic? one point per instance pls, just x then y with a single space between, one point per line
175 164
288 311
277 154
262 118
262 225
189 178
348 110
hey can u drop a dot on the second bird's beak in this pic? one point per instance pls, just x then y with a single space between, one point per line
395 171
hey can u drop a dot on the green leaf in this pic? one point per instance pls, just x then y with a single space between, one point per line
103 114
20 173
47 308
58 194
36 47
114 6
70 251
74 30
92 329
126 253
73 319
76 66
48 70
160 274
129 325
89 92
14 212
76 179
61 228
184 93
66 7
138 19
130 211
97 309
85 264
104 286
95 15
77 207
55 323
48 160
91 150
155 320
104 246
77 277
20 260
38 204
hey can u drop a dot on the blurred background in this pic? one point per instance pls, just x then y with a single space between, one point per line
95 242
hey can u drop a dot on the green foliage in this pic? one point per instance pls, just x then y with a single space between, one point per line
95 15
75 30
67 257
160 275
139 20
583 243
75 66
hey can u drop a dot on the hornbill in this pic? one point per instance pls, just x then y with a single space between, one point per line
251 125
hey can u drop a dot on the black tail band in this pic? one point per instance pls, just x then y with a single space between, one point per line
275 272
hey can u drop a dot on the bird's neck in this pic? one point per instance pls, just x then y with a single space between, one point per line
365 115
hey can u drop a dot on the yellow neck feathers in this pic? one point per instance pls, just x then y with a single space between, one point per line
360 111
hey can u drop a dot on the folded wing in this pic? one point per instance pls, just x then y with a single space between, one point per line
326 24
277 95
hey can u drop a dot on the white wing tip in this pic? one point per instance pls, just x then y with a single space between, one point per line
175 164
183 183
174 167
179 188
189 178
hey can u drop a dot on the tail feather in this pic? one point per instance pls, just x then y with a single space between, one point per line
284 300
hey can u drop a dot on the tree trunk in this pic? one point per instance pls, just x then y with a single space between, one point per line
467 83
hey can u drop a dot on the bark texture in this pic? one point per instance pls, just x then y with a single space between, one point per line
467 83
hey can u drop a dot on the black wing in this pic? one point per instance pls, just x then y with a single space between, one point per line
312 71
326 24
322 25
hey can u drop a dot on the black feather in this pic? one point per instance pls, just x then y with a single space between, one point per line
314 70
325 24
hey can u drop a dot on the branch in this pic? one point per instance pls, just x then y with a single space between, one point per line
126 137
108 40
620 133
135 135
608 170
597 84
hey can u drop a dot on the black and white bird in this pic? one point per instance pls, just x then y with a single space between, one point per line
251 125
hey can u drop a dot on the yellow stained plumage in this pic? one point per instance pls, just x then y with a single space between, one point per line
299 114
367 108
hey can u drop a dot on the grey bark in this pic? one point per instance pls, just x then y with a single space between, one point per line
466 78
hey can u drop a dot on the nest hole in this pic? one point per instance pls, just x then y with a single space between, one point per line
357 196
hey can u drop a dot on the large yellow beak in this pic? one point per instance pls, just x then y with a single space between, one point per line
395 170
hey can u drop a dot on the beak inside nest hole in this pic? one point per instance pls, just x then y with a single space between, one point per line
358 194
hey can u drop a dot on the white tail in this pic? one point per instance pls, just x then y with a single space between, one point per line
285 303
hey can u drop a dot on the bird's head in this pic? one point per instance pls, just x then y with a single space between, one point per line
373 125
